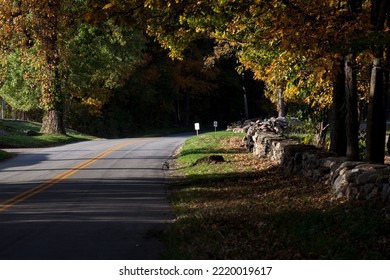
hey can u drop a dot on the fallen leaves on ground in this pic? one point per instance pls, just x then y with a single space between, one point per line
260 212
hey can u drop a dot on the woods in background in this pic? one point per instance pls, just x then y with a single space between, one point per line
105 66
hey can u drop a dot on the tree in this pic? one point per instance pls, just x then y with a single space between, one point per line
351 104
99 59
41 24
322 38
316 30
46 24
376 119
338 136
77 51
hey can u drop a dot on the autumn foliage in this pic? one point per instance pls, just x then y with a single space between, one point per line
300 48
331 56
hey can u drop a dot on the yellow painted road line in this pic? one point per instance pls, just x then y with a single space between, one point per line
59 178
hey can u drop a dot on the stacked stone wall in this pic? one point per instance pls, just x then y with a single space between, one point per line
351 179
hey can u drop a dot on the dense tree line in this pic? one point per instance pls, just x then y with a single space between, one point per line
95 64
86 67
328 54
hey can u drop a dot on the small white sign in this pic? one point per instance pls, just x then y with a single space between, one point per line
215 124
197 126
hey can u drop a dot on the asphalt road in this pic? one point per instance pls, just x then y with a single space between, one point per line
102 199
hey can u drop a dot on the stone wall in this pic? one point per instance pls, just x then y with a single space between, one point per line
351 179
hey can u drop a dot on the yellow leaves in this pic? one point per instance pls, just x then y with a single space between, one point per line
94 105
302 80
200 29
291 92
156 4
107 6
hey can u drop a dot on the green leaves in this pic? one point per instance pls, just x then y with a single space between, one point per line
21 81
101 58
47 40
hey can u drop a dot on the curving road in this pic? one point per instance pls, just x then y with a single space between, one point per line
102 199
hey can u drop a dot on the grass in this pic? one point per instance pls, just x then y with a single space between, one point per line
206 145
5 155
12 136
248 208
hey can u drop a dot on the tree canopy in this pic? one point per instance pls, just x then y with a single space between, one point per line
296 46
328 55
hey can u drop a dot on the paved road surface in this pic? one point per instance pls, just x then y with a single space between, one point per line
102 199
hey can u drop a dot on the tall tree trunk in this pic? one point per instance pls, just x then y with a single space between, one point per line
53 119
52 98
344 114
281 105
387 86
338 137
351 102
387 73
376 118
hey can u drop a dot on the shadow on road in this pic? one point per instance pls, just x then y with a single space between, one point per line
87 219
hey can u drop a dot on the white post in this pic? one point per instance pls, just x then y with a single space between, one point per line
197 128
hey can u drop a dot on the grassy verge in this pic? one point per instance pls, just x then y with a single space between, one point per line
4 155
248 208
12 136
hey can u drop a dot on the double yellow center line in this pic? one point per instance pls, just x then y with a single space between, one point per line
59 178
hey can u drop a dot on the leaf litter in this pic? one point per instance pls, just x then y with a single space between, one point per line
261 212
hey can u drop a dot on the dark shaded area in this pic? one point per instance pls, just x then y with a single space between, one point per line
102 199
111 219
213 159
166 94
23 164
